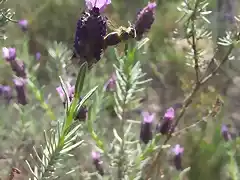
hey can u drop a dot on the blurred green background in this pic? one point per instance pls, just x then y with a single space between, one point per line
163 59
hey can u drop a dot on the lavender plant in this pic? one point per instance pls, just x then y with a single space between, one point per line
139 149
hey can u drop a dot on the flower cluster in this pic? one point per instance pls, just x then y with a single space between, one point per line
20 78
91 31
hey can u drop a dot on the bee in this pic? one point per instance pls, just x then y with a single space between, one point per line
119 35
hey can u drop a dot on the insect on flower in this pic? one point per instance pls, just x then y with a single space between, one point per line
119 35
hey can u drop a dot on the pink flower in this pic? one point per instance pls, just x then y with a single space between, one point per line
100 4
169 114
70 92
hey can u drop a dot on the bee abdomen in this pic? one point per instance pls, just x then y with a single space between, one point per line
112 39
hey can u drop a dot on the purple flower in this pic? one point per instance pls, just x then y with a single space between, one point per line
18 67
225 133
97 163
23 24
146 127
178 151
70 92
21 90
90 32
9 54
166 125
145 19
100 4
110 85
7 93
38 56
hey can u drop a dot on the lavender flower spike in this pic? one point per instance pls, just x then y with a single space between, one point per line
21 90
9 54
225 133
97 162
90 32
165 126
178 151
145 19
146 127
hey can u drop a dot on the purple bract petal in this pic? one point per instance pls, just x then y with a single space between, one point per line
95 155
148 117
169 114
152 5
9 53
100 4
224 128
70 90
18 81
38 55
23 24
178 149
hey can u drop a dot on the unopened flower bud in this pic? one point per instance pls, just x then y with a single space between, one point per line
146 127
83 113
166 125
178 152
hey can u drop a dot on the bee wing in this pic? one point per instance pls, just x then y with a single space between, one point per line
112 25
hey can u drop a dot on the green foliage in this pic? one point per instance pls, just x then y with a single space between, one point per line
46 137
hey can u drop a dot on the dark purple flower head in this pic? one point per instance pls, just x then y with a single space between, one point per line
165 126
178 151
9 54
225 133
90 32
21 90
23 24
97 163
146 127
38 56
100 4
145 19
110 85
7 93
